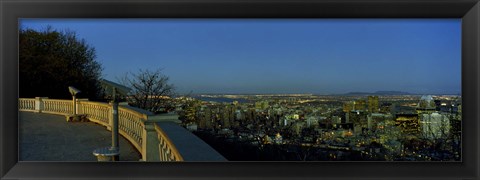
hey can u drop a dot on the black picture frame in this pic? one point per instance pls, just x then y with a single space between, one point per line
467 10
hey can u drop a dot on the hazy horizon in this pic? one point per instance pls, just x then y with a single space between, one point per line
278 56
322 94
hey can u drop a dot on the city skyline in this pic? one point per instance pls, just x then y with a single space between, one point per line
323 56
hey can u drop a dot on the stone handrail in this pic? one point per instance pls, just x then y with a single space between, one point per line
56 106
131 125
26 104
135 126
179 144
97 112
168 151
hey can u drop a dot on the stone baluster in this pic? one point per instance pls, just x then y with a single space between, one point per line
150 142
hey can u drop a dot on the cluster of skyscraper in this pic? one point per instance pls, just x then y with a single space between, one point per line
400 127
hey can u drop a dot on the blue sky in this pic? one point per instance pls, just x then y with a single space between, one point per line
320 56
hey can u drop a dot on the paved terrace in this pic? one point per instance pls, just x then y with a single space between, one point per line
47 137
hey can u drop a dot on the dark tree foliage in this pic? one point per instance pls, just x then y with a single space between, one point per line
50 61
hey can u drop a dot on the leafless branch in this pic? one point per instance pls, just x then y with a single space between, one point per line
149 88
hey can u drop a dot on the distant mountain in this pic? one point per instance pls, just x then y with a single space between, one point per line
378 93
392 93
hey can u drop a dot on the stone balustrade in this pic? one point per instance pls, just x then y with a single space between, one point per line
168 151
97 112
131 125
138 126
55 106
26 104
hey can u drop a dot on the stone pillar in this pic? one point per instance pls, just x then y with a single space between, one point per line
39 104
77 107
150 148
74 105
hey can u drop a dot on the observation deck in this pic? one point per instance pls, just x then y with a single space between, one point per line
46 136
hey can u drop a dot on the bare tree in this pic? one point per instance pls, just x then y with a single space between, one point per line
150 89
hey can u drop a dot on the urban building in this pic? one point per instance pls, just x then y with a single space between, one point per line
408 123
373 104
426 105
435 126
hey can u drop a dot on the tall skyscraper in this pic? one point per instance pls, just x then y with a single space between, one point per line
347 106
359 105
373 104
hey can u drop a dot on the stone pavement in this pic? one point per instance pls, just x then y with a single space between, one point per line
47 137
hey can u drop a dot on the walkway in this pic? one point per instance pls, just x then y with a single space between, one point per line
46 137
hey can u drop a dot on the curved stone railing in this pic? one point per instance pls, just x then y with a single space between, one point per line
97 112
168 151
177 144
137 126
26 104
56 106
131 124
